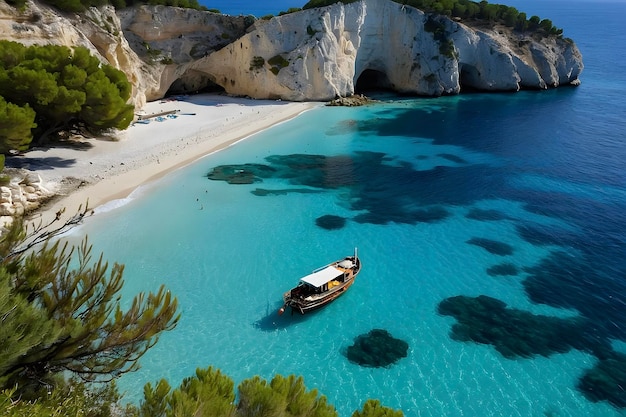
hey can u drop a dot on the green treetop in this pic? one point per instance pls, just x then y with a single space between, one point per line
46 89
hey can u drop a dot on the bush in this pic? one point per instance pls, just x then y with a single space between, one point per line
49 88
290 10
257 63
70 398
211 393
373 408
321 3
277 62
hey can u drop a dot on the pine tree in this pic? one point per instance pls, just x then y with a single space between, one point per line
373 408
16 124
282 397
67 311
46 89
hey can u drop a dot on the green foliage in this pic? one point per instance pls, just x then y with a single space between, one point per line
283 397
290 10
65 88
373 408
64 314
16 124
437 28
73 6
18 4
151 51
468 9
321 3
258 399
248 21
277 63
155 402
24 325
209 393
257 63
71 398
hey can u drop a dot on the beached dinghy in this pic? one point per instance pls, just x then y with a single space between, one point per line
322 286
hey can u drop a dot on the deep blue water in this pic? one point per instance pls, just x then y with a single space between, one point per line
492 229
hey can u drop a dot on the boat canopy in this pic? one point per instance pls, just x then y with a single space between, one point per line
322 276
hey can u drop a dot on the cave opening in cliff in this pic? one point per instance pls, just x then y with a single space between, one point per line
371 81
195 83
469 77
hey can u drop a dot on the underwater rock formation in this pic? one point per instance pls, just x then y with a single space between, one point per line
502 269
240 174
492 246
377 349
330 222
606 381
514 333
485 215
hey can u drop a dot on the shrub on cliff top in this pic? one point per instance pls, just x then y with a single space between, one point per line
76 6
321 3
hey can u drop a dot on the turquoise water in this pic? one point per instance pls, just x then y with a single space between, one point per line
518 197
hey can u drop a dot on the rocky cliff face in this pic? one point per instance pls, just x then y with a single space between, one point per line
320 54
316 54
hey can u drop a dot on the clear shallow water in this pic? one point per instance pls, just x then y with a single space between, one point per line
538 176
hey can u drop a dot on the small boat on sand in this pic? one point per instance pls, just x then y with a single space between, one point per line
322 285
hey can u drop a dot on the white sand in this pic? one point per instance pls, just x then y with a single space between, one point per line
111 170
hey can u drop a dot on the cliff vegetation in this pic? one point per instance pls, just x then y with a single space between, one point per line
468 10
82 5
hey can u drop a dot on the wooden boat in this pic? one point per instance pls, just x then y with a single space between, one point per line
322 286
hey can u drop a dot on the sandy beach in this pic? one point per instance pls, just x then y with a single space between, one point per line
100 170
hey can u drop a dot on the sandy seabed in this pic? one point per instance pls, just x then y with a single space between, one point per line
97 171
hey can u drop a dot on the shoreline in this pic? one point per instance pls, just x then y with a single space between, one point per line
99 171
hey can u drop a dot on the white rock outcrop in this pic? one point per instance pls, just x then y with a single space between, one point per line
315 54
24 193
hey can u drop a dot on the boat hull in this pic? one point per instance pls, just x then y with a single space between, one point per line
303 308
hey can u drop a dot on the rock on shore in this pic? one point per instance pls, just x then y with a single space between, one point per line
24 193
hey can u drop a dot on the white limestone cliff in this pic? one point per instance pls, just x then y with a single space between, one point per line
326 50
315 54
